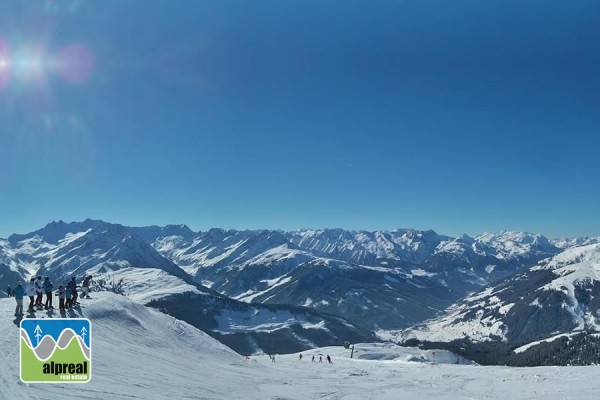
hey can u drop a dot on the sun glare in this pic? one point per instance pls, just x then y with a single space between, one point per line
4 65
27 65
35 64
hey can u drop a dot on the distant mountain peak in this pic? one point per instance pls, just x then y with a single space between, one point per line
55 231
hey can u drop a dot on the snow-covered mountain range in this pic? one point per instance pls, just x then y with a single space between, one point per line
558 295
290 282
123 261
380 280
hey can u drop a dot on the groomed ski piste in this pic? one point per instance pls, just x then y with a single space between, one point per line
140 353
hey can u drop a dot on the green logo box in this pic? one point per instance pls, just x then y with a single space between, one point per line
56 350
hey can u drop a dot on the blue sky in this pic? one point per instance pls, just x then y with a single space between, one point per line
461 117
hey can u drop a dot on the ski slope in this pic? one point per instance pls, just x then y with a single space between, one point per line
139 353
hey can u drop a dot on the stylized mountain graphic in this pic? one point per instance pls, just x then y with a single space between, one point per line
47 345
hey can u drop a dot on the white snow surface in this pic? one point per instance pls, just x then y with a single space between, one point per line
260 321
143 285
140 353
250 295
575 266
549 340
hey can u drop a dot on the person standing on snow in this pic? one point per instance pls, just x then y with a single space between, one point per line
48 289
19 293
73 286
39 289
9 291
61 298
30 292
68 295
85 287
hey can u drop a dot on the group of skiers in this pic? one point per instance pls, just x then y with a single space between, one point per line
320 358
272 357
35 289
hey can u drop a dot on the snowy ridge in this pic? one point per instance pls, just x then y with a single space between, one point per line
509 244
459 246
560 295
143 285
565 243
91 247
362 247
217 247
581 259
577 268
56 231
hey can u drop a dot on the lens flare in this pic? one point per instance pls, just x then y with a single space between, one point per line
4 64
74 63
28 64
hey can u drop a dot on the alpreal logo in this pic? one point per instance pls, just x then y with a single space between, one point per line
56 350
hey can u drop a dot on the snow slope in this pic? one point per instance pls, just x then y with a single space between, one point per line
138 353
143 285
